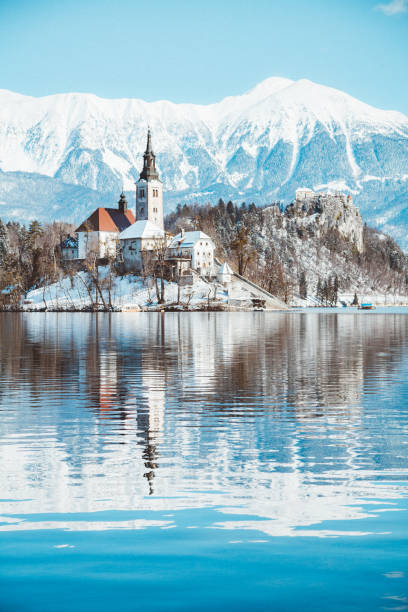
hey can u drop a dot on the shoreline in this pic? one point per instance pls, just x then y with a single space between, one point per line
204 308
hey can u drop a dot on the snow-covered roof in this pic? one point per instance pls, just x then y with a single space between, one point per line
142 229
189 239
225 269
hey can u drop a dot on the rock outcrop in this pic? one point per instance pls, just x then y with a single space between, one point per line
327 212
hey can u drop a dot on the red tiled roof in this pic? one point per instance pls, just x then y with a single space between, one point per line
107 220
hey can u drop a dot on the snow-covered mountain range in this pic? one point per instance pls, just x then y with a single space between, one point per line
62 155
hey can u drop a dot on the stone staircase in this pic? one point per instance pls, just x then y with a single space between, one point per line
271 301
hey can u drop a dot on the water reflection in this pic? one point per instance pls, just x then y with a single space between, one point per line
277 422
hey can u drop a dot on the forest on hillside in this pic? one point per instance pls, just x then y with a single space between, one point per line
286 258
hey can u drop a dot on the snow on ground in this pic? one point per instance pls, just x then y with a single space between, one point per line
128 292
132 292
346 299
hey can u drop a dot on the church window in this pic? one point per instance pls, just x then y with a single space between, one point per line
142 193
142 211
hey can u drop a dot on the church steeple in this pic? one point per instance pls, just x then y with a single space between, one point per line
149 189
149 171
149 149
122 204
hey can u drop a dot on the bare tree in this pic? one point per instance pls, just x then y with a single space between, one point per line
92 281
242 248
161 251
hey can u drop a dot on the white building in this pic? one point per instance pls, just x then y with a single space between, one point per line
303 193
198 247
225 274
139 238
149 189
100 232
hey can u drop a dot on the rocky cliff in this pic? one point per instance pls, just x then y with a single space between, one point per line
324 212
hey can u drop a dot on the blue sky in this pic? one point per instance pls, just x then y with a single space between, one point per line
195 51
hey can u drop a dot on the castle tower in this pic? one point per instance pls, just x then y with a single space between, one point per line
149 189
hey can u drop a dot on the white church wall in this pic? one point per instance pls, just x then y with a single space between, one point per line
149 201
104 243
131 252
155 202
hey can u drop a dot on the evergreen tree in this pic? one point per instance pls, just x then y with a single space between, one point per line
335 289
355 300
34 231
325 292
4 242
303 285
319 295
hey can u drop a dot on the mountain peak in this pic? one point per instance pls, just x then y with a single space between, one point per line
260 145
269 86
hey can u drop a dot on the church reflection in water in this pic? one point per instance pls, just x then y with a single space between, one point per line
139 406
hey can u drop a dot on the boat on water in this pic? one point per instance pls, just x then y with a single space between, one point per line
366 307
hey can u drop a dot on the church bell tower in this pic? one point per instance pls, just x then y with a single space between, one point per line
149 189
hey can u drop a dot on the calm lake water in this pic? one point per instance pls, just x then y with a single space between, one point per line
203 461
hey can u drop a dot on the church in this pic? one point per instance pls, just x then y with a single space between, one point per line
112 232
149 189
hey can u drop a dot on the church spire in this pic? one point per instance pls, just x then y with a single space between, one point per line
122 204
149 149
149 171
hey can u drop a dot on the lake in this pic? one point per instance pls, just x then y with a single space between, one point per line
204 461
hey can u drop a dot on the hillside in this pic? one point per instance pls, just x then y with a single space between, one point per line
259 146
310 252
